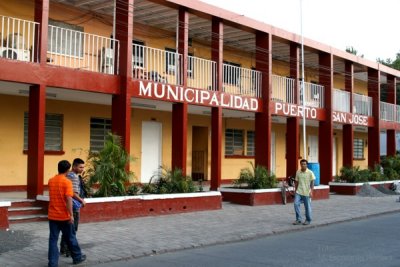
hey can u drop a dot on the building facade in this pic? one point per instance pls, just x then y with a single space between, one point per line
186 85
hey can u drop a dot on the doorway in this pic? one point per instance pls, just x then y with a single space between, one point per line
334 157
199 153
151 149
312 148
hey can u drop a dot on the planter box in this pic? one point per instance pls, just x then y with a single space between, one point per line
115 208
254 197
4 214
354 188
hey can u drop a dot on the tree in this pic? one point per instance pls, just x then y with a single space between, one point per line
395 64
352 50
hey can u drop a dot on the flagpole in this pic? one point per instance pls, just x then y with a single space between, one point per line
302 82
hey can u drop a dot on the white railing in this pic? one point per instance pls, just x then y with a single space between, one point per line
241 81
156 65
362 104
387 111
341 100
314 95
283 89
80 50
398 113
18 38
201 73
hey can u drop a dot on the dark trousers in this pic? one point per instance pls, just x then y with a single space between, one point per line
68 232
63 244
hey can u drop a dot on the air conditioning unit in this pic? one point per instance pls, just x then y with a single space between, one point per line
107 60
13 53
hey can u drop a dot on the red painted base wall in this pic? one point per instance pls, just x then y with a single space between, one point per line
353 190
3 218
117 210
267 198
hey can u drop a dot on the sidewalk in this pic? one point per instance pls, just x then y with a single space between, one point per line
123 239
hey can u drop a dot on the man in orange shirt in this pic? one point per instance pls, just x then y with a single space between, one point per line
61 217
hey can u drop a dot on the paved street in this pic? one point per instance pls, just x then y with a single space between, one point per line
369 243
132 238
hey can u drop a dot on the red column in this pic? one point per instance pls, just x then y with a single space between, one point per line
263 119
179 110
37 107
325 133
42 17
292 124
36 124
216 112
121 103
391 133
374 132
348 134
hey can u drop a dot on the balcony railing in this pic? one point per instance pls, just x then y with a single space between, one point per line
283 89
80 50
201 73
398 113
341 100
241 81
314 95
387 111
18 38
362 104
156 65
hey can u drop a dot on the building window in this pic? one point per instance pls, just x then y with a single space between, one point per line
234 142
171 59
99 129
53 132
138 54
358 150
65 39
232 73
250 143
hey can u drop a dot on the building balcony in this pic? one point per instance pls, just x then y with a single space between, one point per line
81 50
17 38
388 111
283 90
163 66
341 100
362 104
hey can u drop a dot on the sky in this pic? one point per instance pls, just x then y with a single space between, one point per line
370 26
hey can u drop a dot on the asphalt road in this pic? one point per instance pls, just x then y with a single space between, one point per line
369 243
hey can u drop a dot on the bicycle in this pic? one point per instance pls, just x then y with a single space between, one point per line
288 188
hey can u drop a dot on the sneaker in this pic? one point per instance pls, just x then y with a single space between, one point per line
306 223
83 258
297 223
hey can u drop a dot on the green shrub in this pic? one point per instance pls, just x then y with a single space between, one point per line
169 182
376 174
391 167
256 178
107 168
350 174
132 190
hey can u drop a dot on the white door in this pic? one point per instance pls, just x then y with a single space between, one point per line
313 148
151 149
273 154
334 156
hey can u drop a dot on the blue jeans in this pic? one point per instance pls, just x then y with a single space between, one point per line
298 199
68 231
63 244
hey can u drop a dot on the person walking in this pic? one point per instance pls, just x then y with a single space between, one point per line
304 186
61 217
78 165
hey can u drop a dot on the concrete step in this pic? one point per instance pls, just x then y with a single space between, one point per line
27 218
25 211
24 203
